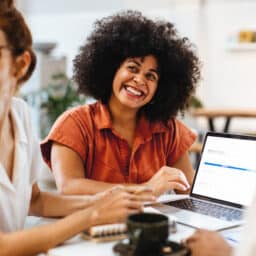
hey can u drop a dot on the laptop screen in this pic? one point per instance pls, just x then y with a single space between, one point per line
227 169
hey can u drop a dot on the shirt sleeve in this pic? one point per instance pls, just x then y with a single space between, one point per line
180 140
69 131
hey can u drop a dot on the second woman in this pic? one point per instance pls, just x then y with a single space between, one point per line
142 73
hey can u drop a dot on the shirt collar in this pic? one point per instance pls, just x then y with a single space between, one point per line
145 129
102 116
21 142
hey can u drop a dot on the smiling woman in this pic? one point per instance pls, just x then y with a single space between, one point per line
142 73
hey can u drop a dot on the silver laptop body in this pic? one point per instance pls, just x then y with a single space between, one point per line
225 181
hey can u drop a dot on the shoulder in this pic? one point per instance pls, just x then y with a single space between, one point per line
179 128
180 134
19 105
179 139
74 129
80 113
74 123
22 121
20 109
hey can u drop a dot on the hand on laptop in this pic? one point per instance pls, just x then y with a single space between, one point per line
168 178
208 243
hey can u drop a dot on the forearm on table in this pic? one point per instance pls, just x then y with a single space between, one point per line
82 186
54 205
40 239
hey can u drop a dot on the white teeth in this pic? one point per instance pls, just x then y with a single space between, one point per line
133 91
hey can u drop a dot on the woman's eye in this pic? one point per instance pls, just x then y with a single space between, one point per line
151 77
132 68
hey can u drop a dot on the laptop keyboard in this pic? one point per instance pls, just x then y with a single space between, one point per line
209 209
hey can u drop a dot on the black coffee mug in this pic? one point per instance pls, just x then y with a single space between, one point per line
147 233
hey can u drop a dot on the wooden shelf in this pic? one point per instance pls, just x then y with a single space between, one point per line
235 46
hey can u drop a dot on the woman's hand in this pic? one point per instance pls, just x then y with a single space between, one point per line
146 193
208 243
116 204
168 178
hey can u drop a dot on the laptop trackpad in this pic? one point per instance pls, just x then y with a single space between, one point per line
194 219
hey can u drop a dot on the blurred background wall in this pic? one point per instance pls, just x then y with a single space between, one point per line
212 25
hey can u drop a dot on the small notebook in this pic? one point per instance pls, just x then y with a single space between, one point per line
105 233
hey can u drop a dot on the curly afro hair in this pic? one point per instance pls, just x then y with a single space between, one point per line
130 34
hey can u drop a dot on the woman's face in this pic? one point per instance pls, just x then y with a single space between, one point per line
135 82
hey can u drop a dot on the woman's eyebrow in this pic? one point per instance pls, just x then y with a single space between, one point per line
134 61
139 64
154 70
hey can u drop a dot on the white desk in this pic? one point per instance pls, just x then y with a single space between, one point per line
80 247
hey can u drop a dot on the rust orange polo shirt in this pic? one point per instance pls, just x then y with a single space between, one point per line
107 156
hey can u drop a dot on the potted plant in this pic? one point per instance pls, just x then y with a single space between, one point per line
58 96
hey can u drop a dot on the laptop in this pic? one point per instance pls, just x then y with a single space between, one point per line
223 185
